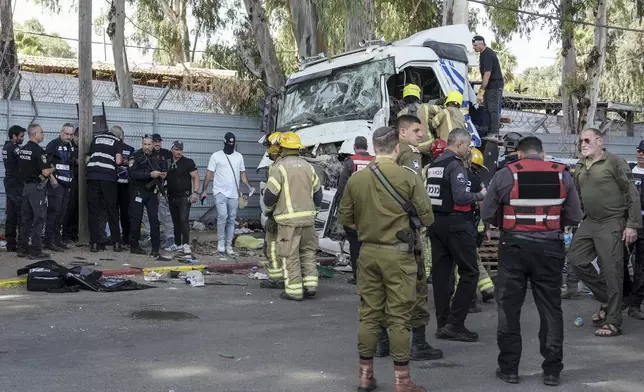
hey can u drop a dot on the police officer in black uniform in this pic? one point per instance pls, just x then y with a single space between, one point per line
35 172
13 184
147 171
453 237
70 221
104 157
123 196
531 201
59 153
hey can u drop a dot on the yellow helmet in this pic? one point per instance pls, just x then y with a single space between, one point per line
291 141
454 96
411 90
477 158
275 137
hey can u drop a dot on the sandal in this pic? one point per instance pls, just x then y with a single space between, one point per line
608 331
600 316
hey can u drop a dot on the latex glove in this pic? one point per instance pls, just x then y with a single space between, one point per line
479 97
251 191
271 225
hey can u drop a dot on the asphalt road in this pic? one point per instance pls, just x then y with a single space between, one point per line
98 342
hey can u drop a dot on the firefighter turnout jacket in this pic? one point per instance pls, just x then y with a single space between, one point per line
532 197
447 185
293 193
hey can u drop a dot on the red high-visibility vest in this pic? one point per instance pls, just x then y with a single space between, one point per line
536 197
360 161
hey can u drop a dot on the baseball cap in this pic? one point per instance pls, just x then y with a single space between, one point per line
478 38
641 146
177 144
156 137
229 139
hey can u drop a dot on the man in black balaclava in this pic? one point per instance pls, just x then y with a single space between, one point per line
225 169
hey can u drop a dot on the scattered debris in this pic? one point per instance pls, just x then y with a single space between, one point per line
228 356
218 283
196 225
247 293
258 276
195 279
249 242
162 315
106 259
152 276
79 258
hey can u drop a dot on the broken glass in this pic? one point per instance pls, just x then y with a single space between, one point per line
352 92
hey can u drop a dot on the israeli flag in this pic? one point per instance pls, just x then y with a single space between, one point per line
459 83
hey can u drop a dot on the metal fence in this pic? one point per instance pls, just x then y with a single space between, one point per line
201 133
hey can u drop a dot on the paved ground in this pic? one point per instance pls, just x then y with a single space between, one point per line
96 342
205 251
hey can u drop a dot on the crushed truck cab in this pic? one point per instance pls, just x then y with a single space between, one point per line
331 101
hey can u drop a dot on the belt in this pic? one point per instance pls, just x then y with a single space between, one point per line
399 247
452 213
528 238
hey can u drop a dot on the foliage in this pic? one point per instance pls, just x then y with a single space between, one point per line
36 45
540 82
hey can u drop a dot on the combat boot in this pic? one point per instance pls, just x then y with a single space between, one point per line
367 381
402 380
382 348
272 284
570 293
420 349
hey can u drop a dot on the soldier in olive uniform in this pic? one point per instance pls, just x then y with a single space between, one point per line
387 273
612 217
410 131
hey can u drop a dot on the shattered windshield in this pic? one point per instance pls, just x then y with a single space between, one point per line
352 93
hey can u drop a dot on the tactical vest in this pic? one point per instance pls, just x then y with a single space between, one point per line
439 188
536 197
360 161
63 172
638 177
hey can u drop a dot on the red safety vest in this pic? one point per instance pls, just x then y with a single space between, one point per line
536 197
360 161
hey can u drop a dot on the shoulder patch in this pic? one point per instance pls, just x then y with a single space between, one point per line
414 149
416 164
17 150
44 158
460 178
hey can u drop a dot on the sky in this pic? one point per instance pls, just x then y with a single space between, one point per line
532 52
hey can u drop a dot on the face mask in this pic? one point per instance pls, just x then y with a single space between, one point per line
229 149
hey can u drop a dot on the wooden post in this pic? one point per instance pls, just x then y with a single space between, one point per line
85 110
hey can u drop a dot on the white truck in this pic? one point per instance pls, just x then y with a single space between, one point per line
330 101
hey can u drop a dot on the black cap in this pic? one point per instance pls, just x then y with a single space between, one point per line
229 139
641 146
177 144
156 137
478 38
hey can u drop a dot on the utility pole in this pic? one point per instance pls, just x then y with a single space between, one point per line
455 12
85 110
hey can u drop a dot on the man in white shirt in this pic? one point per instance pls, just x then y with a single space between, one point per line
634 291
225 169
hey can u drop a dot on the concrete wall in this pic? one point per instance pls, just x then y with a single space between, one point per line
201 133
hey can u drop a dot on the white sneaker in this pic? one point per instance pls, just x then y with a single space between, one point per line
186 249
173 248
230 251
221 248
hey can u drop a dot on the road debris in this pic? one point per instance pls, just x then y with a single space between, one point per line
227 356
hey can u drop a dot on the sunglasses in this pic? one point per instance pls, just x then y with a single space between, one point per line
587 141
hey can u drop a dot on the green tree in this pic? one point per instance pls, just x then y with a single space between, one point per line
38 45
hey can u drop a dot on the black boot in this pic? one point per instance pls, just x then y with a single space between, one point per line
420 349
93 248
382 348
137 250
118 247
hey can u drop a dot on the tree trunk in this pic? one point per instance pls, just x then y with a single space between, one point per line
448 12
306 28
85 97
123 77
273 74
360 23
594 68
8 54
569 72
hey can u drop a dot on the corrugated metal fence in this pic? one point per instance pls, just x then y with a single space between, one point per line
201 133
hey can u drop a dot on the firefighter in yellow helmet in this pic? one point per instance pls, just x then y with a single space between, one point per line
275 271
292 198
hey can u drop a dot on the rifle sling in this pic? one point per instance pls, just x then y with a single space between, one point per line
383 180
